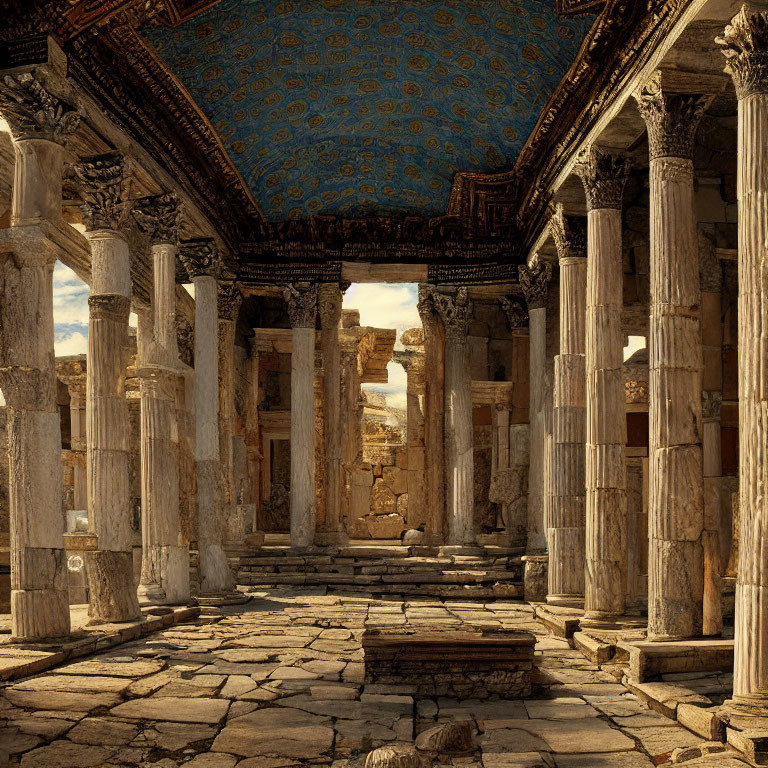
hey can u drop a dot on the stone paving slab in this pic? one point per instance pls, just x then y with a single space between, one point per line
249 688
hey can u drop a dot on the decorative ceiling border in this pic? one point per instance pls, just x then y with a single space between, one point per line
567 8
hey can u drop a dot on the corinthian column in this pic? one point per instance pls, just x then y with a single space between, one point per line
302 309
604 176
109 568
329 309
165 554
434 408
745 45
455 312
676 491
40 124
202 264
229 299
565 532
534 280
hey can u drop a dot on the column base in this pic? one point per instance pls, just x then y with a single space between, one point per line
215 573
150 594
232 597
337 538
112 596
535 577
39 614
597 620
566 601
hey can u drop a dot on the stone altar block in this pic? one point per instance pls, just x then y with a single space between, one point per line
466 663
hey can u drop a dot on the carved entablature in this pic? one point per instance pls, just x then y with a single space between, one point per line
302 304
455 311
671 119
472 274
515 310
158 216
744 44
100 183
200 258
569 233
32 111
578 7
329 298
534 280
604 175
229 300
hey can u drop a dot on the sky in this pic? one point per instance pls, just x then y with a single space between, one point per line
387 305
70 312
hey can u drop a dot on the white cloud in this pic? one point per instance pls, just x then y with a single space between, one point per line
70 298
74 343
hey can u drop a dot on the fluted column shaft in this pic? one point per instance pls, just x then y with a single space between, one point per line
565 534
455 312
302 306
165 554
434 409
676 491
745 44
604 178
329 309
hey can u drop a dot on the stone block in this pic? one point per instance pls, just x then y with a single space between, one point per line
396 479
385 526
382 500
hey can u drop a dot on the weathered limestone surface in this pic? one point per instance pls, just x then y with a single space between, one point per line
165 554
745 45
676 493
565 531
109 567
302 308
455 313
200 259
604 176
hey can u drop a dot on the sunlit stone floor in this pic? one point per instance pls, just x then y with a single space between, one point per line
279 683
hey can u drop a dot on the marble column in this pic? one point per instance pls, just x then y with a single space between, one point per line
73 374
455 312
329 301
40 124
165 553
745 45
202 264
565 531
534 280
229 300
253 434
676 491
351 424
109 567
302 309
434 411
604 176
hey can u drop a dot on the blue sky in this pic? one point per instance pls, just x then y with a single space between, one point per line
70 312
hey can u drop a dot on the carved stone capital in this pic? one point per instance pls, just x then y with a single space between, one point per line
534 280
72 371
100 181
711 403
671 119
569 233
158 216
329 299
604 175
109 306
455 311
515 310
411 360
199 258
425 305
302 304
229 300
33 112
744 43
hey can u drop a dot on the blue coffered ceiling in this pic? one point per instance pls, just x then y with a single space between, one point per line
359 107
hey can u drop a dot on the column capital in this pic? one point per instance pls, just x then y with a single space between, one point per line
515 310
604 175
158 216
200 257
329 299
744 43
72 371
425 305
229 300
33 112
455 311
412 360
302 304
100 182
534 280
671 118
113 306
569 233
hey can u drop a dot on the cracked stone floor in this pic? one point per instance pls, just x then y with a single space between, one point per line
278 682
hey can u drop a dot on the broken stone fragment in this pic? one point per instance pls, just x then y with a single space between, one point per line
396 756
452 737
